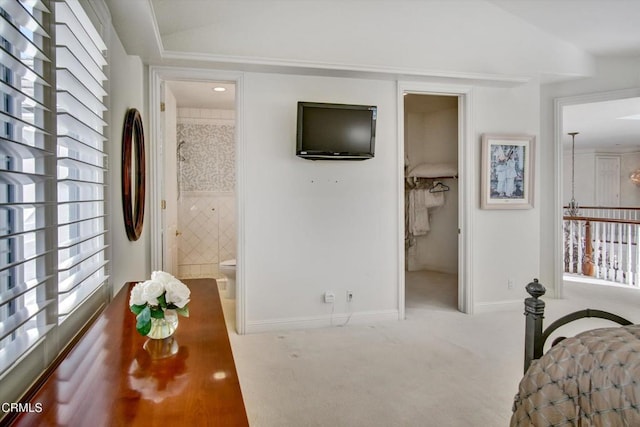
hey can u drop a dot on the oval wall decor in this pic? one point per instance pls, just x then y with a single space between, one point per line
133 190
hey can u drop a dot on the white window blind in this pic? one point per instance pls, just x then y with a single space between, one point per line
52 182
27 177
81 158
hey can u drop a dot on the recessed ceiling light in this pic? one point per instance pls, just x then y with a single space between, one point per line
219 89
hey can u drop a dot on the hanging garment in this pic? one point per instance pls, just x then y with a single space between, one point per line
418 212
433 200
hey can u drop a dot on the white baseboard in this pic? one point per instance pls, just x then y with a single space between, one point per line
492 307
335 320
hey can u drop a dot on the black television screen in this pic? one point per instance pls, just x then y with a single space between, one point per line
336 131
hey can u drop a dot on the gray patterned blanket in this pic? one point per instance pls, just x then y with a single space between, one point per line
592 379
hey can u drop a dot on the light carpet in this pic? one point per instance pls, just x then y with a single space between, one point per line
439 367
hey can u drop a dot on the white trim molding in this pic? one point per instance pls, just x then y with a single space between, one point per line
341 69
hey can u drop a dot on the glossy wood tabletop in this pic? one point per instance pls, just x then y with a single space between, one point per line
109 379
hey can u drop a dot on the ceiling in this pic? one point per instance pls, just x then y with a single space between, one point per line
202 94
600 27
607 125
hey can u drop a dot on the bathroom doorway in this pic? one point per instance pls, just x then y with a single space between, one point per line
432 193
197 202
204 184
165 238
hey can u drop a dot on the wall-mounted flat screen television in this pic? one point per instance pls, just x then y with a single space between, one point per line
336 131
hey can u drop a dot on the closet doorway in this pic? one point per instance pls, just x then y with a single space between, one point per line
431 189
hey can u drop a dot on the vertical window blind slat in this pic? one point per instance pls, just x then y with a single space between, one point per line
80 107
26 278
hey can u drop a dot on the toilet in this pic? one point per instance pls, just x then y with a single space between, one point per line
228 268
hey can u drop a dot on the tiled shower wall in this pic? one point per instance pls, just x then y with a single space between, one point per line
206 212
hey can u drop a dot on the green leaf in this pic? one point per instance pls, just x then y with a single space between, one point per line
136 309
143 321
184 311
162 300
157 313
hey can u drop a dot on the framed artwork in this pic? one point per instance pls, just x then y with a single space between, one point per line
507 171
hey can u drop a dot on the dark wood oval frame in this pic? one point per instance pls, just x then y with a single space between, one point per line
133 213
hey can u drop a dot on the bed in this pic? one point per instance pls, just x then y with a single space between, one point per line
591 379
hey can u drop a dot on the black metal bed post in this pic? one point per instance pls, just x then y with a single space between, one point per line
534 312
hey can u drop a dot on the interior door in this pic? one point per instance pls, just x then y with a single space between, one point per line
608 180
170 232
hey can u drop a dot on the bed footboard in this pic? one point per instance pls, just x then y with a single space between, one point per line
535 336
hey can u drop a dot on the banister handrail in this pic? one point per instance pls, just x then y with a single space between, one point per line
594 219
604 248
621 208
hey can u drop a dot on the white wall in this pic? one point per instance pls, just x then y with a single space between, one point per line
629 192
585 179
328 225
313 226
131 261
506 243
516 245
611 74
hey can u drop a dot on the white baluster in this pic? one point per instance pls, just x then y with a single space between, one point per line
620 255
597 250
628 256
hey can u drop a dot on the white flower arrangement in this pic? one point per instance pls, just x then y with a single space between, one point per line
151 298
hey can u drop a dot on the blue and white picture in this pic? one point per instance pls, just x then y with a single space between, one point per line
507 172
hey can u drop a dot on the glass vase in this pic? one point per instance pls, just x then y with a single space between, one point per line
161 342
165 327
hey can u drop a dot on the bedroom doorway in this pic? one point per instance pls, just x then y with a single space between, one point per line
432 249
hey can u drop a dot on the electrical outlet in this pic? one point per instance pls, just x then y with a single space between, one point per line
510 283
329 297
349 296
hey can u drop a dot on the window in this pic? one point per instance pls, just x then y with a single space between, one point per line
52 179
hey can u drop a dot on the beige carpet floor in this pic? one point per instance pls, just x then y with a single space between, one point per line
439 367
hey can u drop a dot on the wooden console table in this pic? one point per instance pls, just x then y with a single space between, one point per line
108 379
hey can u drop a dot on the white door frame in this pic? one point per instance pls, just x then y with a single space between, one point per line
157 75
559 104
466 172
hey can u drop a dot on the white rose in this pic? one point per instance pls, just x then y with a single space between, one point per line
162 277
136 297
177 293
151 290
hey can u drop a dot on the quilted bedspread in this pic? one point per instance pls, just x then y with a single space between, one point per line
592 379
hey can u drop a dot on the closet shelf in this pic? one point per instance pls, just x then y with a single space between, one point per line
434 170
